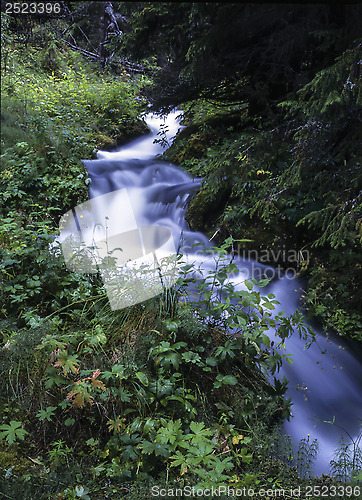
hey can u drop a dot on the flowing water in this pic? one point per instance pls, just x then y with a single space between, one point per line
322 386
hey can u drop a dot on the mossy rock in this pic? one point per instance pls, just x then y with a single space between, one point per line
123 133
104 141
130 130
190 147
192 141
196 213
205 208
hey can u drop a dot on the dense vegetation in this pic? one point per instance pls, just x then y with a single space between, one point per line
106 404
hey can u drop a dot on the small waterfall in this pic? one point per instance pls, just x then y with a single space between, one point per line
322 386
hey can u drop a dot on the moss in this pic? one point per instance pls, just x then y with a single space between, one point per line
193 140
204 210
10 458
131 129
191 146
121 134
104 141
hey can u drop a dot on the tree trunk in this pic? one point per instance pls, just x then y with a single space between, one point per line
103 38
108 21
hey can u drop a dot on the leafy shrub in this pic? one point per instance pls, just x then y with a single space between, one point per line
136 403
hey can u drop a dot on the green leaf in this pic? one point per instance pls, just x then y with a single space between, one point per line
248 285
12 432
230 380
46 414
211 361
265 340
197 427
124 395
171 326
142 377
162 450
191 357
240 318
245 456
69 363
149 425
169 433
81 492
225 380
119 371
54 378
148 447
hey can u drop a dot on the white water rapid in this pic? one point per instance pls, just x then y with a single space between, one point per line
322 386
